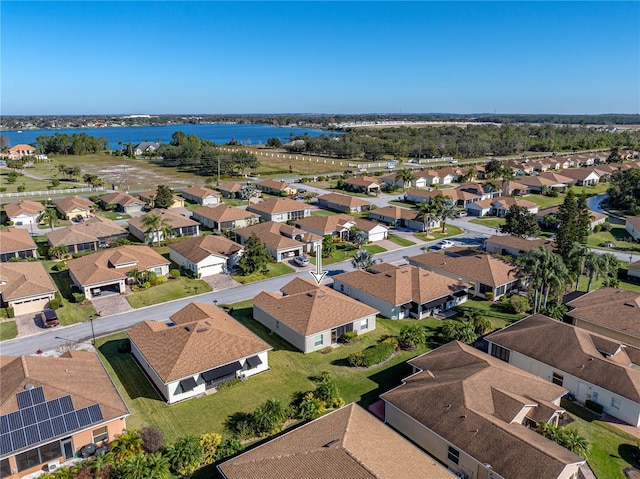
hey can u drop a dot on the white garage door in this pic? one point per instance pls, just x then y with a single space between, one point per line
30 306
211 269
376 236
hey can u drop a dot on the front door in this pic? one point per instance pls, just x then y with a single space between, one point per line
67 448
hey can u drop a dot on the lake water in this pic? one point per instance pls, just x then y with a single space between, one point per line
219 133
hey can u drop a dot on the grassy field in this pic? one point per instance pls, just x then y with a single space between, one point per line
30 184
8 330
617 238
490 222
274 269
545 201
611 448
436 233
173 289
399 241
343 252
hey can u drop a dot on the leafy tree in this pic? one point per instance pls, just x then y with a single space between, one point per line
358 237
49 216
609 266
427 212
164 197
185 455
152 439
154 223
328 246
12 176
624 191
519 222
555 311
327 391
412 336
247 192
363 259
274 143
477 320
458 331
255 257
493 168
583 219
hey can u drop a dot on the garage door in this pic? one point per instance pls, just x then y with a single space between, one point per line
376 236
30 306
211 269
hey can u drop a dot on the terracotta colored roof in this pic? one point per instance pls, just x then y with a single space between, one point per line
520 243
230 187
277 205
480 267
277 235
121 199
79 374
200 192
22 147
400 285
309 308
200 247
71 203
364 181
203 337
343 200
428 193
24 279
23 207
633 221
16 239
472 400
223 212
576 351
274 185
174 219
338 445
91 229
395 212
613 308
103 265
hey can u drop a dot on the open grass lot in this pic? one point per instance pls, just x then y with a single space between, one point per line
290 372
8 330
274 269
437 234
69 312
173 289
611 448
618 238
400 241
30 184
490 222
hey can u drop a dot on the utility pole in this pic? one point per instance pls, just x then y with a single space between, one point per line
218 181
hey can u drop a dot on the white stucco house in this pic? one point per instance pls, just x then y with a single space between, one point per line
206 255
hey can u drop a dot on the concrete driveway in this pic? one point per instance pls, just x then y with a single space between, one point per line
111 304
29 324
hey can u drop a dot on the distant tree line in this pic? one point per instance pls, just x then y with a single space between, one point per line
75 144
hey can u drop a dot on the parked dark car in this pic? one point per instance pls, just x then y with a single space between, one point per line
49 318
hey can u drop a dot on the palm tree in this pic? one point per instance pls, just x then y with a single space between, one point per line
185 455
609 268
545 273
406 175
507 176
49 216
58 251
594 267
363 259
154 223
574 442
576 259
158 466
446 210
358 237
427 213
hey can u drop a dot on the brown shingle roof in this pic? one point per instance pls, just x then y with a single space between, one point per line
204 337
309 308
20 280
395 212
633 221
363 181
476 266
174 219
76 373
343 200
400 285
465 390
579 173
91 229
200 192
277 205
23 207
16 239
274 185
347 443
575 351
200 247
520 243
613 308
122 199
328 224
71 203
102 266
223 212
230 187
277 235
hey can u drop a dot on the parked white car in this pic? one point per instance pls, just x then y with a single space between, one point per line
444 244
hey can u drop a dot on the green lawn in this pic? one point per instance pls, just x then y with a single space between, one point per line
345 251
399 240
401 204
114 215
8 330
69 312
490 222
29 184
611 448
618 238
436 233
323 213
173 289
274 269
545 201
490 310
232 201
374 248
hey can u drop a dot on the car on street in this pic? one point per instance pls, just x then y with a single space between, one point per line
49 318
301 260
444 244
461 214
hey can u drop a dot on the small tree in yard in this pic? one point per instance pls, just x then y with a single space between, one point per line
519 222
363 259
412 336
58 251
358 237
164 197
185 455
255 257
458 331
152 439
328 246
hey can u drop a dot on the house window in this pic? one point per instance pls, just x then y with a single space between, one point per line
500 352
318 340
157 271
557 379
364 324
100 434
37 456
453 455
615 402
5 470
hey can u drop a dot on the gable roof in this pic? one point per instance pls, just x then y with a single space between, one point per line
633 221
277 205
309 308
399 285
274 185
203 337
395 212
23 207
230 186
122 199
114 263
328 224
278 235
520 243
363 181
472 399
23 279
507 202
223 212
200 247
71 203
174 219
90 230
16 239
336 445
467 263
576 351
343 200
580 173
200 192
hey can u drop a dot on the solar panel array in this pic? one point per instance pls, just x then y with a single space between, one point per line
38 420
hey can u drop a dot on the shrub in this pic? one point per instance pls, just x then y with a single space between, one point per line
350 336
152 278
228 384
146 285
161 279
174 273
58 297
240 425
21 188
378 353
411 336
210 443
593 406
185 455
152 439
228 448
10 312
125 347
79 297
489 295
61 266
53 304
392 340
356 359
328 392
519 304
310 407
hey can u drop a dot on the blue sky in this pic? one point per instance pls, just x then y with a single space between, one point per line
326 57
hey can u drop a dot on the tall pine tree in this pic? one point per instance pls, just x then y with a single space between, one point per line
571 226
583 219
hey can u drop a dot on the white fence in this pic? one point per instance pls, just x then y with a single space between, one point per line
51 192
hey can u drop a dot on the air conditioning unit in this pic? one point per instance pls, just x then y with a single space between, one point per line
53 466
587 396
